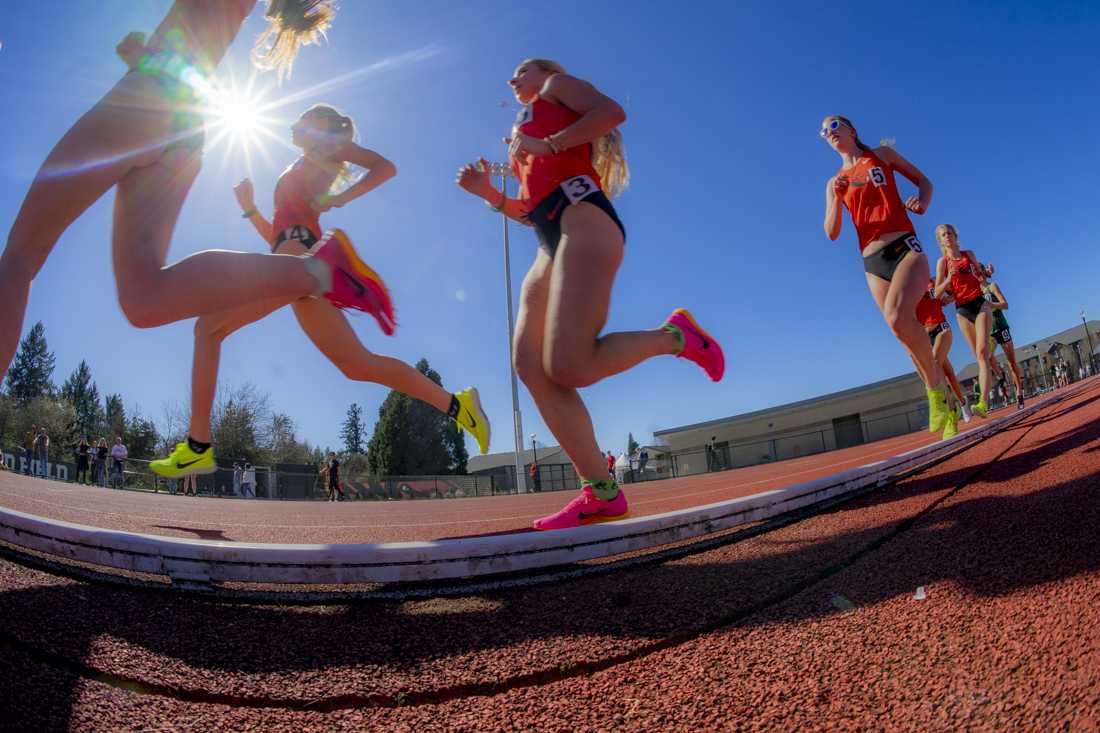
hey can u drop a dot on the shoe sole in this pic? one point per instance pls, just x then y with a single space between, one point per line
476 399
585 522
386 319
718 347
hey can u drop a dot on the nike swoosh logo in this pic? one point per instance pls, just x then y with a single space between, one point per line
189 463
473 422
554 214
857 183
583 516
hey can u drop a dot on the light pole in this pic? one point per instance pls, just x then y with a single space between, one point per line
1092 362
504 171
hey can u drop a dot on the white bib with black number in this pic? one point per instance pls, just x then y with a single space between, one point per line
578 188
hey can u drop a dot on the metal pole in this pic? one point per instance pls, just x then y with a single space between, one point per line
517 419
1092 362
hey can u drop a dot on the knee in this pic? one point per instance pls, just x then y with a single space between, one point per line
140 306
208 329
567 371
894 319
529 369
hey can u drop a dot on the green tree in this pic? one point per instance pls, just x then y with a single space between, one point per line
57 416
83 394
631 444
141 438
412 438
115 415
284 446
31 372
352 432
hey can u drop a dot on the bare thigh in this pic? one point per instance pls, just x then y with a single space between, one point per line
585 266
328 329
527 348
121 132
942 348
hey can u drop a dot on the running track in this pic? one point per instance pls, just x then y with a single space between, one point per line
812 626
241 520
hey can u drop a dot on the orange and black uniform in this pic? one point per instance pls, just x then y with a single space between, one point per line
875 205
930 313
550 183
963 274
295 217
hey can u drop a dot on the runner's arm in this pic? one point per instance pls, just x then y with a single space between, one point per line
1003 304
924 186
379 170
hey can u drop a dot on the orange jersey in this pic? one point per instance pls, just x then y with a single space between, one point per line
298 187
929 308
539 175
964 278
873 200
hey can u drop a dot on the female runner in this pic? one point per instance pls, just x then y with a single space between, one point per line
305 189
566 151
931 316
1001 334
145 137
959 270
893 259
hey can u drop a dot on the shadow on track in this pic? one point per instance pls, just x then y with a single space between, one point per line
987 545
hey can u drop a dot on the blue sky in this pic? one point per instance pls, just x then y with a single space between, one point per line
996 102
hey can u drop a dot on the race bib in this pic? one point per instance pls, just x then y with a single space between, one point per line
578 188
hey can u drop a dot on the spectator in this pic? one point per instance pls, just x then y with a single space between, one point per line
82 461
28 449
331 473
237 474
643 458
248 480
190 488
611 464
101 453
42 451
536 479
118 465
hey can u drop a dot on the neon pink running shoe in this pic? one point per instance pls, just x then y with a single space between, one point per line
354 283
585 509
699 346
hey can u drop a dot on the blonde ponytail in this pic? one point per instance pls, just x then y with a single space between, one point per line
293 24
608 153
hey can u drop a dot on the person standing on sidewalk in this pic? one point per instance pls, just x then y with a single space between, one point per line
42 451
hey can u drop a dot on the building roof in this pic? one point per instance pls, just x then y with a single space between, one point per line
794 406
1044 345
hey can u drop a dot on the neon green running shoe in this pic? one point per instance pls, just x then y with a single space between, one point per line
184 461
937 409
951 424
981 409
472 418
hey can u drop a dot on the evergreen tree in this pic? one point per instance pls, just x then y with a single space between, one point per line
141 438
631 444
412 438
115 415
352 432
81 392
31 372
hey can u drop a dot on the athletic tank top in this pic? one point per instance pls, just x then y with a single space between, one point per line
201 30
298 186
929 307
539 175
873 200
964 279
1000 323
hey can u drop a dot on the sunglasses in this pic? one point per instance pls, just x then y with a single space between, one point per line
830 126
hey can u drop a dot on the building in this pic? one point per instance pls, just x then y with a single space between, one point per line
1037 359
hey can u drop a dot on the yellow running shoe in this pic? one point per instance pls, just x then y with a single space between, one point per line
185 461
951 424
980 410
937 409
472 418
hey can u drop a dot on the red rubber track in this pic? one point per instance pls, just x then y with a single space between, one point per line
811 626
241 520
